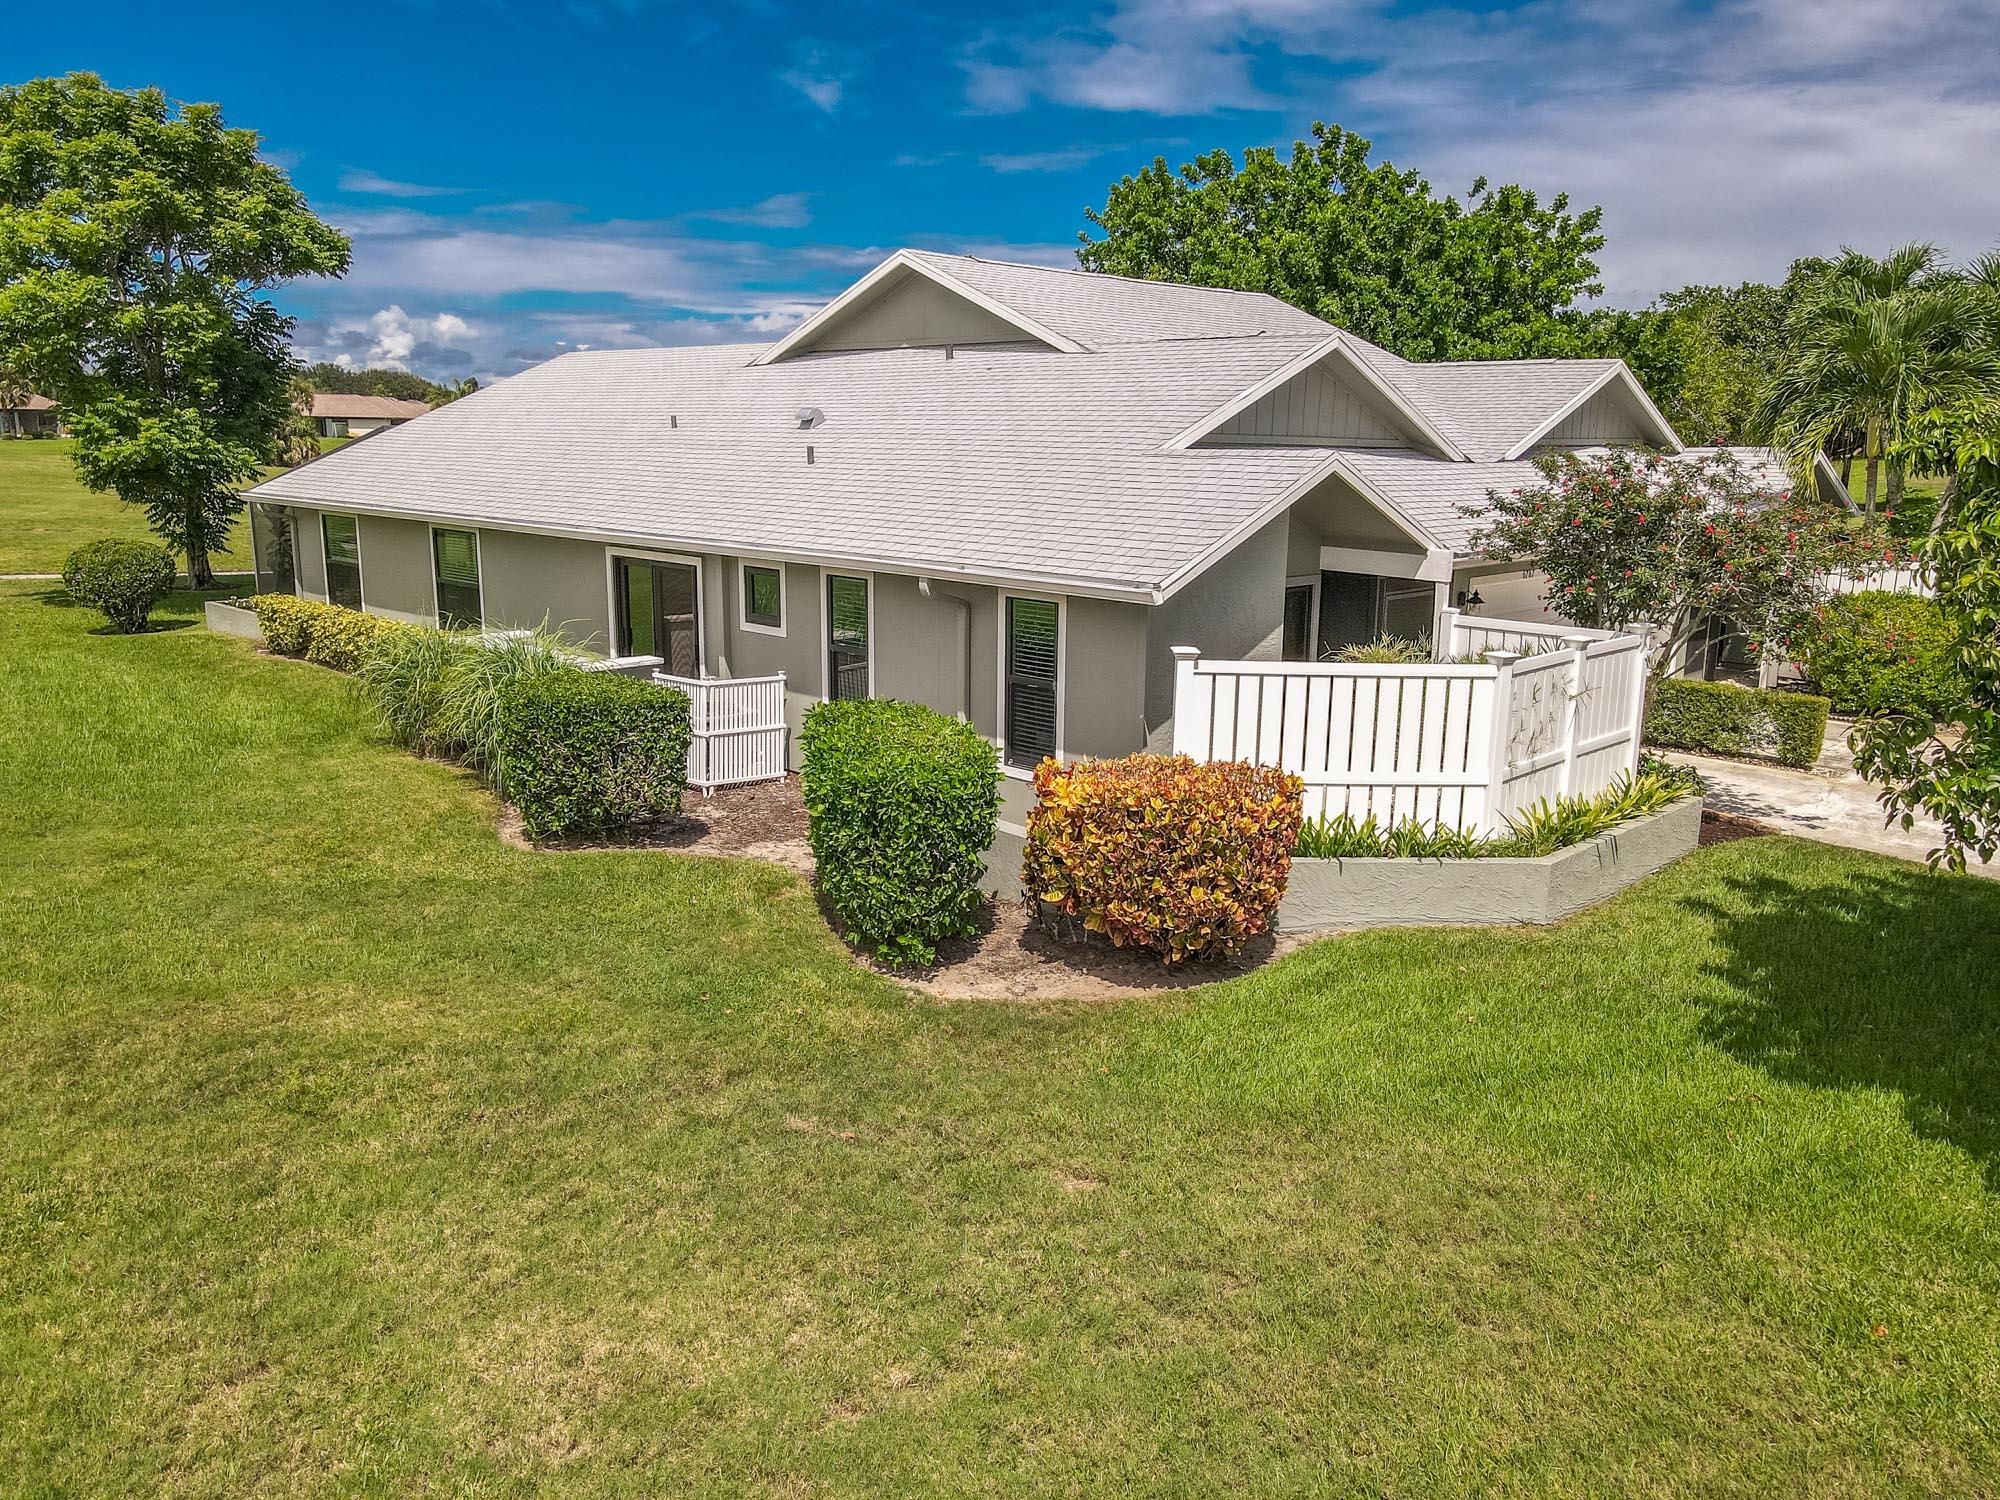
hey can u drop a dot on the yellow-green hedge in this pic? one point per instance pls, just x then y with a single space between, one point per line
328 634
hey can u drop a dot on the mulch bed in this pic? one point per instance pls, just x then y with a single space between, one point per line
1722 828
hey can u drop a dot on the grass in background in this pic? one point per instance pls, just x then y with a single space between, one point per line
348 1149
46 513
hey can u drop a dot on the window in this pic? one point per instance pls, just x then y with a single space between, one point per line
658 609
342 537
847 673
1033 649
1298 642
457 556
763 598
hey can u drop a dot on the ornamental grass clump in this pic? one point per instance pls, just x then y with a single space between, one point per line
121 580
1183 858
404 674
901 806
470 688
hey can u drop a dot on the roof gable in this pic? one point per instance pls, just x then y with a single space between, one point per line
907 302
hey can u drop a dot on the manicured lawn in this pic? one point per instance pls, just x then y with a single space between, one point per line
347 1150
46 513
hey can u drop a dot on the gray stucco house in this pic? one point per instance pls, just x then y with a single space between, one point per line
1001 490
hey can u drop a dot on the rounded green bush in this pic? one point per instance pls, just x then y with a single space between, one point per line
901 807
1883 652
122 579
584 751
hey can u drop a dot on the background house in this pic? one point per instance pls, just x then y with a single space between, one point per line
30 416
341 415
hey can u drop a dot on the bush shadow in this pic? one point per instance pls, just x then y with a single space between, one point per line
1880 980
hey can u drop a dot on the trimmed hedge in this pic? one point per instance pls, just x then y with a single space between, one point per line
121 580
584 751
901 807
1721 718
1882 652
1163 852
329 634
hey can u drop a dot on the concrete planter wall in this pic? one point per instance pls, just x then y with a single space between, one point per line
227 617
1327 895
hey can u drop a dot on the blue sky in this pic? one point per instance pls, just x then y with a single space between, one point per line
525 178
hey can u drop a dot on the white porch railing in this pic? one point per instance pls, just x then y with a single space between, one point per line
1884 580
739 728
1459 743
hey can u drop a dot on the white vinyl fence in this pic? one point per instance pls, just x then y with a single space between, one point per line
739 728
1884 580
1460 743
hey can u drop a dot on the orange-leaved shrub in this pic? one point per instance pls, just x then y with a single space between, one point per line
1164 852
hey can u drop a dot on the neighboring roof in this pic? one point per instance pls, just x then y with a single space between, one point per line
32 402
340 404
1004 462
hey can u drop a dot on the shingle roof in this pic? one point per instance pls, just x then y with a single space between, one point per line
30 402
1003 461
340 404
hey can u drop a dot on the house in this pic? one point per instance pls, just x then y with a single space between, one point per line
1004 491
340 415
24 414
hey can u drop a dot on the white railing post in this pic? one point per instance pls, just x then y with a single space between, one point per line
1579 649
1193 708
1446 646
1502 755
1636 711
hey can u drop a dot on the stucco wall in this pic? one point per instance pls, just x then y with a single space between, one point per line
527 579
396 569
1234 610
1509 592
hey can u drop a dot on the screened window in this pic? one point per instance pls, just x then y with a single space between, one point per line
847 637
457 555
343 559
1034 630
763 596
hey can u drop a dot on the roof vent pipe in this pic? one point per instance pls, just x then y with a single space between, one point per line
673 420
809 452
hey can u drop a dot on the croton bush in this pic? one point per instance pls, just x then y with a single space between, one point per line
1162 852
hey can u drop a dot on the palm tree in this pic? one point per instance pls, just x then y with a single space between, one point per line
1878 342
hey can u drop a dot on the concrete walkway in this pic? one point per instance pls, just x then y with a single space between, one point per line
1830 803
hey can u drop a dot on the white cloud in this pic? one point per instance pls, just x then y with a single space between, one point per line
779 211
391 337
360 180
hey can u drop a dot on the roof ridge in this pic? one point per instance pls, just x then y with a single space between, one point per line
1187 286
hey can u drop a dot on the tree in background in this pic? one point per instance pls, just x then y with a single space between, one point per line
399 384
1870 346
1363 246
134 238
1948 766
1628 536
298 439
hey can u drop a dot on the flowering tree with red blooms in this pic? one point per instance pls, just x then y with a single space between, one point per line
1629 535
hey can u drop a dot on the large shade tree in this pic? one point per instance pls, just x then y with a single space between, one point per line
1873 345
1362 245
136 239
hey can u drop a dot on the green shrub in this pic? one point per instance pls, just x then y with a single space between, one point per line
285 620
1188 859
1884 652
468 716
404 674
1721 718
901 805
584 751
328 634
1542 829
122 580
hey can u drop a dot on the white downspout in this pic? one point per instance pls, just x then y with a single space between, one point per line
964 640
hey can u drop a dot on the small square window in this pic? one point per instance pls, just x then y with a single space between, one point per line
763 597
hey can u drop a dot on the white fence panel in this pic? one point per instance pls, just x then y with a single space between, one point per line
739 728
1460 743
1885 580
1461 635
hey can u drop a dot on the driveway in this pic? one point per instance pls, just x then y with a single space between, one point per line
1830 802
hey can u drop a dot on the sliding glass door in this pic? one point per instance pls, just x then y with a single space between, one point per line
659 612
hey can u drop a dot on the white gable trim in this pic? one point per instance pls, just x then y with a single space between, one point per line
1335 346
1663 429
1336 464
902 260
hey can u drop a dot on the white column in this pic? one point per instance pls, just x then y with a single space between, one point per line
1193 704
1446 646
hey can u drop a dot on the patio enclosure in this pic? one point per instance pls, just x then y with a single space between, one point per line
1550 711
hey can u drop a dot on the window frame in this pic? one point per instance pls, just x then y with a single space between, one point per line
611 613
1006 596
759 627
826 577
326 561
478 561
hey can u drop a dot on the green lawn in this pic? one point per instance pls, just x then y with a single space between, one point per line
348 1150
46 513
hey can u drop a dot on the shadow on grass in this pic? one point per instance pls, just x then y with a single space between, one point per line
1879 980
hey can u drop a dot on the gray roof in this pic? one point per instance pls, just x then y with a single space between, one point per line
1002 462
